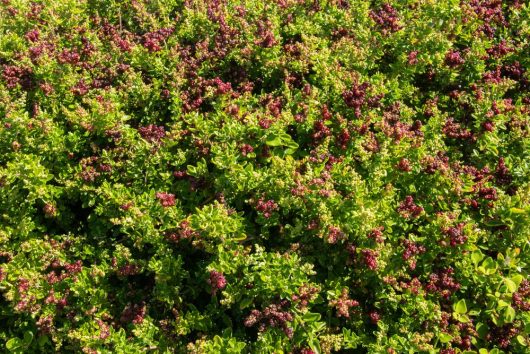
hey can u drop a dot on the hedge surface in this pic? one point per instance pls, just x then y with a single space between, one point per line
289 176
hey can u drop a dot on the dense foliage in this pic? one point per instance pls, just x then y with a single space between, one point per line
241 176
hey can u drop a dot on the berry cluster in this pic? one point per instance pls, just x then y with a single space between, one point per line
442 283
409 209
386 17
344 304
217 281
266 207
166 199
272 316
152 133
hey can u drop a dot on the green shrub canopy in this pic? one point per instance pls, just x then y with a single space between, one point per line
288 176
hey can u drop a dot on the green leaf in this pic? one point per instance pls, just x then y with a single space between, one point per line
501 303
274 141
460 307
13 344
482 329
517 279
476 257
521 340
509 314
311 317
489 265
245 302
445 337
517 211
461 317
314 344
510 284
28 338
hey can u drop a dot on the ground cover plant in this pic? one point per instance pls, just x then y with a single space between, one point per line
288 176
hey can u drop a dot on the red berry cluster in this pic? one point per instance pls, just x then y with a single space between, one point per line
499 50
344 304
265 35
306 293
152 133
133 313
246 149
69 56
60 271
80 88
184 232
217 281
116 36
488 126
448 351
386 17
32 35
374 317
356 97
502 173
273 316
153 40
60 303
521 298
409 209
128 269
454 130
456 234
335 234
14 75
503 335
453 59
377 234
442 283
412 249
488 193
369 258
404 165
320 131
166 199
266 208
45 325
343 139
413 57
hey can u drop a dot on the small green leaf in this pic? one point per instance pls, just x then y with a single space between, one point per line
461 318
489 265
521 340
460 307
28 338
445 337
476 257
245 302
517 279
274 141
13 344
482 329
501 303
314 344
510 284
509 314
517 211
311 317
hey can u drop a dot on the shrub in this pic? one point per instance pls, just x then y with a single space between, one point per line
291 176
